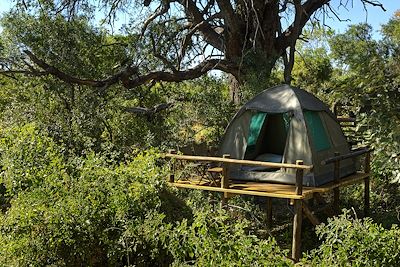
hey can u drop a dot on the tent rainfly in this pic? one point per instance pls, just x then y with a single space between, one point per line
284 124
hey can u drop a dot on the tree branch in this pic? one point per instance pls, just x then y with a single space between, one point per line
284 6
373 3
206 8
309 7
162 9
180 76
164 60
292 32
186 39
25 72
131 78
128 71
292 47
336 14
209 34
231 20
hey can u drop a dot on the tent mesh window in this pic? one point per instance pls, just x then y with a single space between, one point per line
316 130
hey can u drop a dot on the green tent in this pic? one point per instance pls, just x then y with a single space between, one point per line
285 124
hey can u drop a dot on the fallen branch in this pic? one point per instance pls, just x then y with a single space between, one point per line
153 110
149 111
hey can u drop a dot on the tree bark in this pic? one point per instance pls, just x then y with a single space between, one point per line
234 90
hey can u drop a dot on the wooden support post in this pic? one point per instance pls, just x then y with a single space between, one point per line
269 212
172 167
367 169
310 216
311 201
298 215
225 179
327 208
297 220
336 191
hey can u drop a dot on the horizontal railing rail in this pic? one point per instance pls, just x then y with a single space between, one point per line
239 161
352 154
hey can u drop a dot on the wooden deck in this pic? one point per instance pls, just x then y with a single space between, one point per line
270 189
204 177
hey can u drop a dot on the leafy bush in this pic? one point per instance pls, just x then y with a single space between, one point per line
93 211
350 241
214 239
29 158
74 212
203 115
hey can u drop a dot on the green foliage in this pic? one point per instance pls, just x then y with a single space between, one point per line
350 241
213 239
372 77
74 46
202 115
391 30
313 69
355 47
29 158
93 211
80 117
261 73
84 118
71 193
313 66
87 211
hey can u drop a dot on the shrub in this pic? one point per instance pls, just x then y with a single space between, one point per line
214 239
92 211
350 241
28 159
85 219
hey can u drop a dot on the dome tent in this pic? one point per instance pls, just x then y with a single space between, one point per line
284 124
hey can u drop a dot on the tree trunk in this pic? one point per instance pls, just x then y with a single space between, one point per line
234 90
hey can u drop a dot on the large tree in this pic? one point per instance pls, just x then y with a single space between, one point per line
178 40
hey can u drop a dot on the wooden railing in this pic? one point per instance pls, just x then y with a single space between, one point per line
238 161
226 163
336 174
352 154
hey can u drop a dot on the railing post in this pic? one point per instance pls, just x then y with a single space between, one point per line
225 179
336 190
172 167
367 169
299 178
298 215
